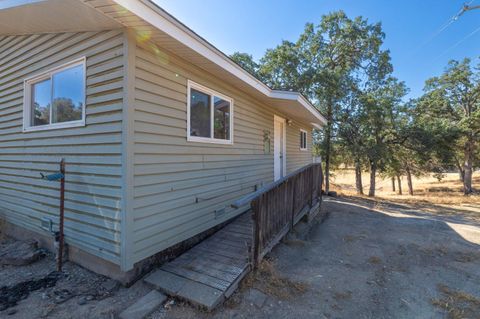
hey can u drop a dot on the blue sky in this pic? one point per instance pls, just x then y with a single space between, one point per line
418 51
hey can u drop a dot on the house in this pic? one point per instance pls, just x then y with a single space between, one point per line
160 131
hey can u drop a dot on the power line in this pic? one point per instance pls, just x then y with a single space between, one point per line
458 43
444 26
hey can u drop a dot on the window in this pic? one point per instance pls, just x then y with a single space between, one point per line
303 140
210 115
56 98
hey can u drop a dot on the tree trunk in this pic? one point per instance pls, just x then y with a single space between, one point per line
468 167
393 184
328 137
461 172
373 172
409 180
358 177
399 180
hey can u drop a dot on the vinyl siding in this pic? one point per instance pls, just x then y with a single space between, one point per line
178 185
297 158
93 153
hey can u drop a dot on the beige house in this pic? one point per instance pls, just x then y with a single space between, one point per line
160 131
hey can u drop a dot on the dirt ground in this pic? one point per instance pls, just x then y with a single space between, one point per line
366 260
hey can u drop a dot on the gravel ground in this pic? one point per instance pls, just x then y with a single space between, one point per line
78 293
359 263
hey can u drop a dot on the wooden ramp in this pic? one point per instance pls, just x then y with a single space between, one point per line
209 272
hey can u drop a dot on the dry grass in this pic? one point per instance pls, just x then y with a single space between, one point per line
351 238
267 279
427 189
457 304
342 295
374 260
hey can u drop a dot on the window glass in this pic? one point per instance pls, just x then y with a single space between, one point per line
221 119
303 140
200 114
55 97
41 98
68 93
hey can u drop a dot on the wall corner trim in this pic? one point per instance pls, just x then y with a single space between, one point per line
129 55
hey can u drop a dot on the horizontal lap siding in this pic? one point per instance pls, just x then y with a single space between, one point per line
297 158
178 185
92 153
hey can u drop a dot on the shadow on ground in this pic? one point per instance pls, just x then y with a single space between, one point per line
361 263
467 214
364 261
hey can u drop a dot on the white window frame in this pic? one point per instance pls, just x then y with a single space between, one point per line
302 131
27 98
193 85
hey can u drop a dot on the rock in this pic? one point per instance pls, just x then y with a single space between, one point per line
20 253
82 301
144 306
256 297
89 297
110 284
11 311
62 295
332 194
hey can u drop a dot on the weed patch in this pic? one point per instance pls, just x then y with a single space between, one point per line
267 279
457 304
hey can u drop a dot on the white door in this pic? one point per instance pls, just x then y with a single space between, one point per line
279 151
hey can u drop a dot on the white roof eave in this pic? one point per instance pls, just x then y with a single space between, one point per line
163 21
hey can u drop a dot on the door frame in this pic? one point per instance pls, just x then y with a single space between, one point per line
276 160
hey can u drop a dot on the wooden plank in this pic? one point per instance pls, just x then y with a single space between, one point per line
198 277
201 294
223 260
217 245
224 253
234 235
207 268
210 271
165 281
213 263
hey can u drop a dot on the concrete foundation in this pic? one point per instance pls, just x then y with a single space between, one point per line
105 267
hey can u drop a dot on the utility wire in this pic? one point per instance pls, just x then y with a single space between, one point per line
449 22
446 24
458 43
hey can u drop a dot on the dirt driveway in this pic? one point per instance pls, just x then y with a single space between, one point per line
362 263
359 263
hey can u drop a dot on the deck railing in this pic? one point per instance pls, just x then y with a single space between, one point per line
277 207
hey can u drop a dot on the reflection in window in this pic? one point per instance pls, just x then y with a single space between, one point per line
210 116
221 119
199 114
68 93
41 97
56 96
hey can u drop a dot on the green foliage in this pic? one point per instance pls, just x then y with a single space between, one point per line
450 111
246 61
341 67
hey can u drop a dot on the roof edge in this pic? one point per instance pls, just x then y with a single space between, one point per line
150 12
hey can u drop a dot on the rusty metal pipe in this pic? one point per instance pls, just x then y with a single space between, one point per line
62 209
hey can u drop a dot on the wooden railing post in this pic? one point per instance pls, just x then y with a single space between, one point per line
294 195
310 191
256 230
276 207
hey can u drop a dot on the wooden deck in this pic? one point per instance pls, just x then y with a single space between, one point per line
209 272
